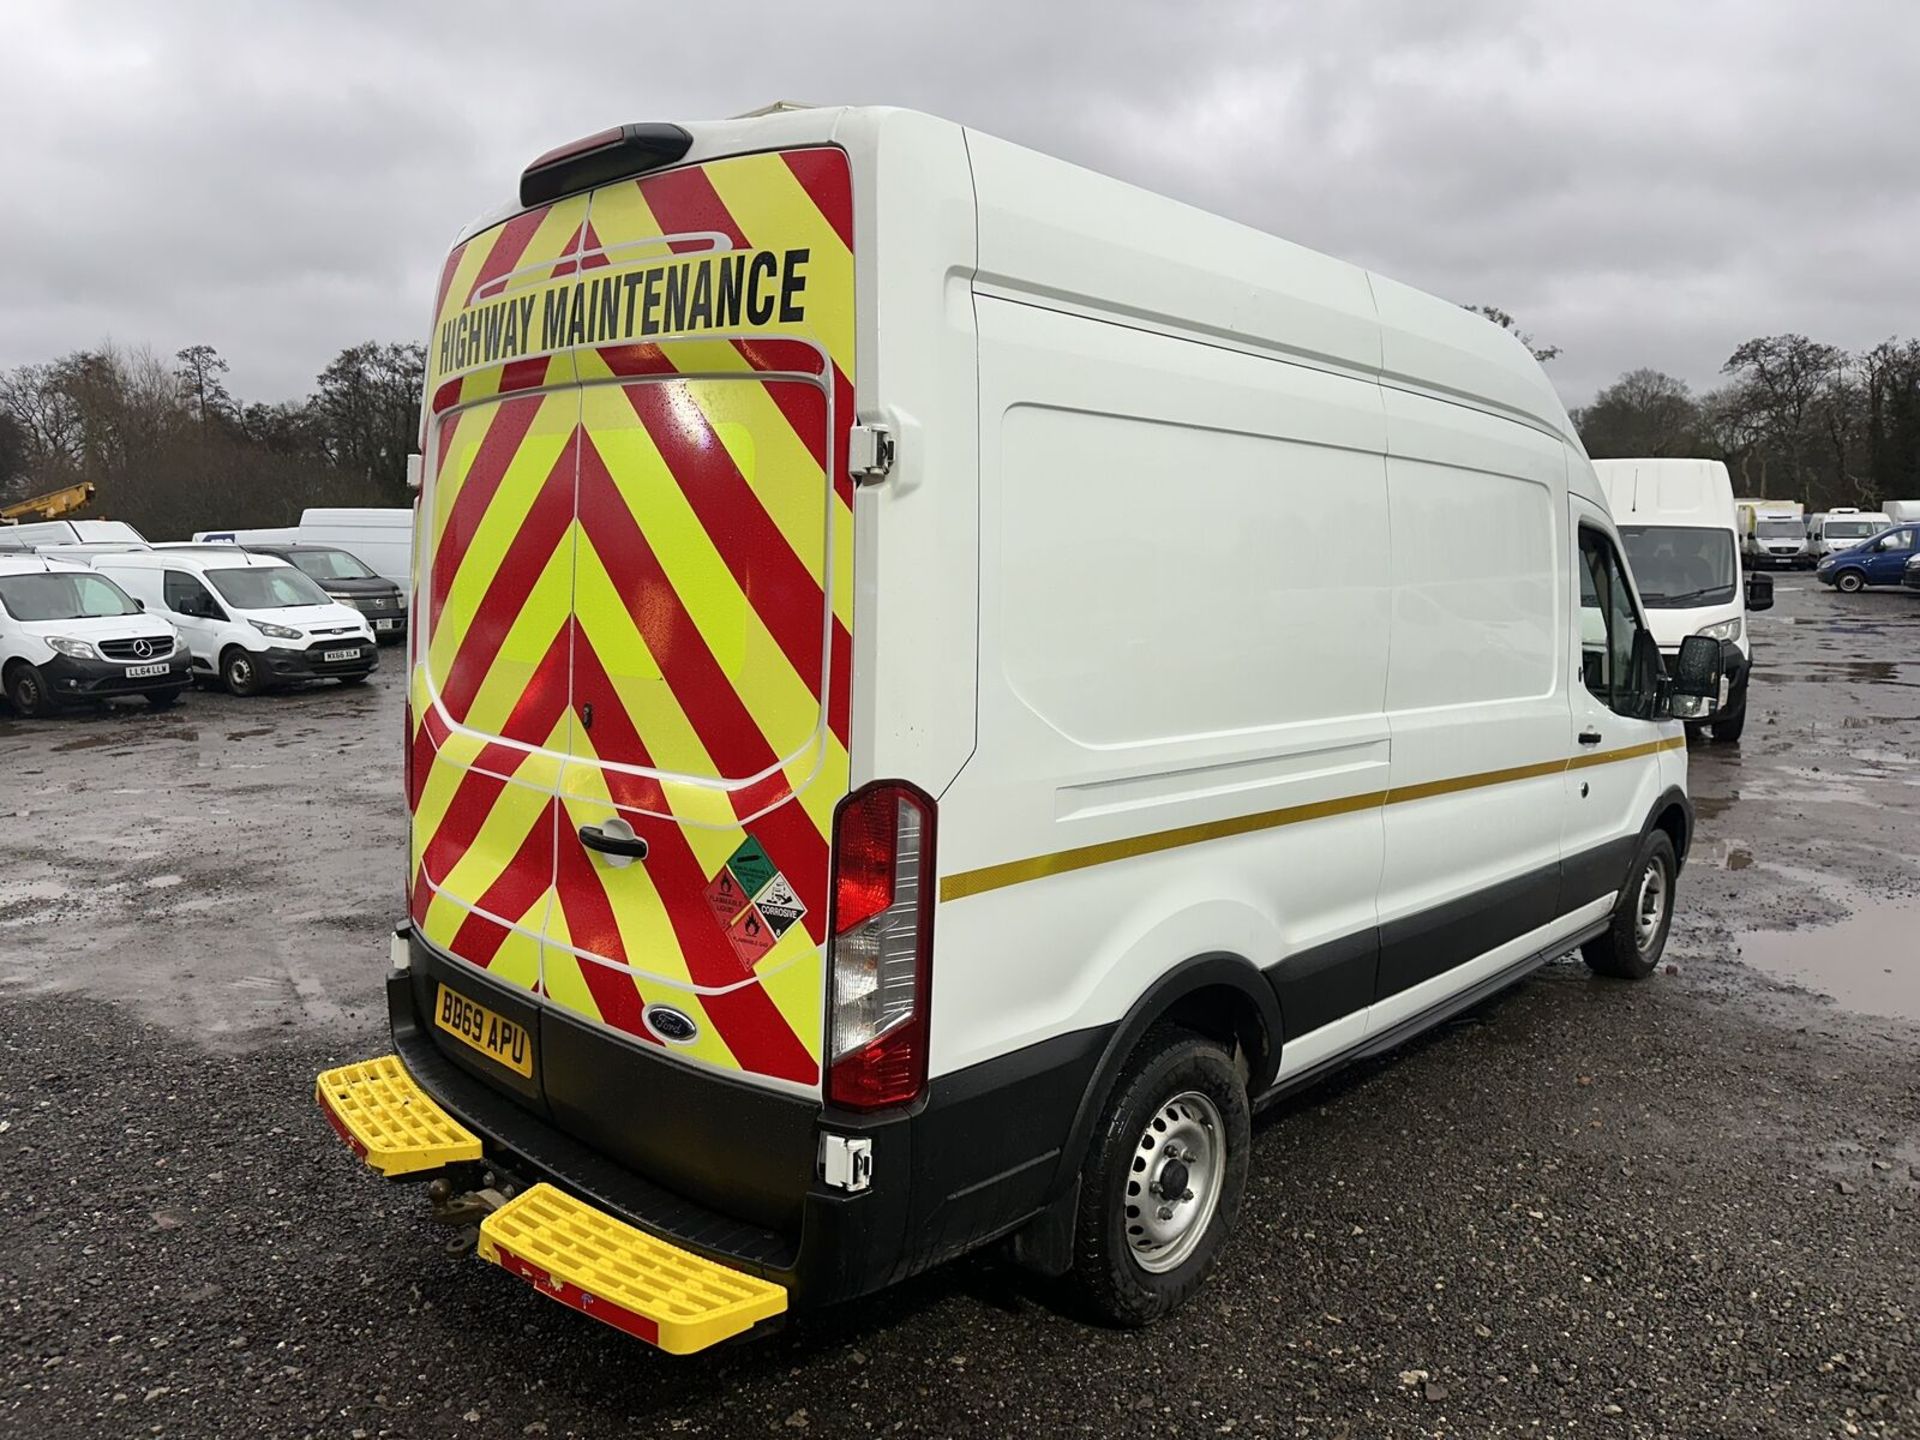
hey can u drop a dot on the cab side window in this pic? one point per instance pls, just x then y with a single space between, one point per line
1612 658
186 595
1896 540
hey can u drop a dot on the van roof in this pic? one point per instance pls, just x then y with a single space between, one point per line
1051 228
1672 490
198 557
16 564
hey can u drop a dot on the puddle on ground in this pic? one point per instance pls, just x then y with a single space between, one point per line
1869 963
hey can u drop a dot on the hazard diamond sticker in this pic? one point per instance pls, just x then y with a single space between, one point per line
751 937
750 866
779 906
725 897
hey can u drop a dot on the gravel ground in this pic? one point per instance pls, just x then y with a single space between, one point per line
1685 1208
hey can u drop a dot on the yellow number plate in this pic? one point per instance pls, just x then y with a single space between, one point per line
494 1036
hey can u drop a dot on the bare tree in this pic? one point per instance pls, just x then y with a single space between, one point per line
1506 322
200 368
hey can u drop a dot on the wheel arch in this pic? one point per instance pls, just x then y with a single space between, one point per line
1673 813
1221 995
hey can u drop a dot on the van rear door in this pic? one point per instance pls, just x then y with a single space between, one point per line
653 651
491 639
712 605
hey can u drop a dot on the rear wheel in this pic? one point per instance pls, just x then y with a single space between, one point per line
1637 934
163 699
1850 581
240 672
27 691
1162 1179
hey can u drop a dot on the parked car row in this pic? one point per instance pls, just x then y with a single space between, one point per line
94 624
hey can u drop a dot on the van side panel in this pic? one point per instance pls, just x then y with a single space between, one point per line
1476 688
1181 738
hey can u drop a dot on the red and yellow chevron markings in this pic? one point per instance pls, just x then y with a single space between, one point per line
658 547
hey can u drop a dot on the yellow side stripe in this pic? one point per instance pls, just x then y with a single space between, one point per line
1018 872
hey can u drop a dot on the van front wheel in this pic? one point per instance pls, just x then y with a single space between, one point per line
240 672
1635 937
1162 1179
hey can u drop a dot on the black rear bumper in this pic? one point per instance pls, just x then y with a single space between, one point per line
729 1170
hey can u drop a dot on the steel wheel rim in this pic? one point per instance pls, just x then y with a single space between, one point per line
1650 906
240 671
1174 1181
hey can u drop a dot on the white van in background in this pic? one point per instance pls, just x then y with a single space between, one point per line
70 636
1678 521
381 538
73 532
1844 527
932 802
1901 512
1774 534
253 621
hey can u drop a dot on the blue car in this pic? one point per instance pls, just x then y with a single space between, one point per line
1881 560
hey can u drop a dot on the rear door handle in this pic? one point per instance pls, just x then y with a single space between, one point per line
615 838
1587 737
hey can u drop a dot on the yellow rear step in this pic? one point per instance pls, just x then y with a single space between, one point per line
605 1268
389 1121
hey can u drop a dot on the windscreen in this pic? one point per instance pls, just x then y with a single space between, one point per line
1851 530
1781 530
62 597
275 587
330 565
1678 566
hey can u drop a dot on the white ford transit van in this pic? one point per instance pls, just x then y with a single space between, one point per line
892 764
253 621
1677 520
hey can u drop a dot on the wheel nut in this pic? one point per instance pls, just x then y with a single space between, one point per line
1186 1195
1166 1212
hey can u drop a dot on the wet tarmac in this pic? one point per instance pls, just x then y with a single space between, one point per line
1688 1207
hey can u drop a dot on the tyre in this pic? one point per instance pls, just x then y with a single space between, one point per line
1727 727
164 699
27 691
241 673
1850 582
1637 933
1162 1179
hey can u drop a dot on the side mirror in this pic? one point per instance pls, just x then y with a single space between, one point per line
139 605
1694 685
1759 591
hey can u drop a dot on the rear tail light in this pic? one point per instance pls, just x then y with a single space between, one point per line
882 946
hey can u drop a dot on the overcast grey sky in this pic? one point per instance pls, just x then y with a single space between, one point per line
1641 182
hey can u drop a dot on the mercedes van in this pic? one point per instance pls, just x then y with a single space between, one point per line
1677 520
253 622
876 789
69 636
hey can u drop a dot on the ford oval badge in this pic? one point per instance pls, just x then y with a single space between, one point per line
670 1024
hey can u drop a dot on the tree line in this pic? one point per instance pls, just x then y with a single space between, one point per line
1797 419
171 450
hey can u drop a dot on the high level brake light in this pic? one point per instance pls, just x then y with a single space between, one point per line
596 159
882 946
